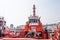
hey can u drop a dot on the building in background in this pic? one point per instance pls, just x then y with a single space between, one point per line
12 28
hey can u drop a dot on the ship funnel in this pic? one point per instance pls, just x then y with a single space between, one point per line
34 10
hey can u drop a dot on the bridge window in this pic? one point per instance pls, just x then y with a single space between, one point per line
32 20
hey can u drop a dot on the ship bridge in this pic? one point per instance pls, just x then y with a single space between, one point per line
34 20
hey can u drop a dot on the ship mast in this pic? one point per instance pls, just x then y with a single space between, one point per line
34 10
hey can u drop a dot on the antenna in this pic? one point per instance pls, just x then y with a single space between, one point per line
34 10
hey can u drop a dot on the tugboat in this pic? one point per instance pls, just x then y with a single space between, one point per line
2 26
58 27
56 35
34 28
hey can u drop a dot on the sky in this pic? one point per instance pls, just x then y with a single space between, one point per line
17 11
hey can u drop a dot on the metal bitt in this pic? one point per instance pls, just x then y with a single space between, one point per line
34 10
